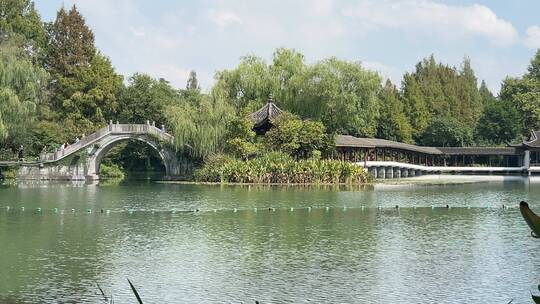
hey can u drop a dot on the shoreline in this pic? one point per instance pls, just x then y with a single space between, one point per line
435 179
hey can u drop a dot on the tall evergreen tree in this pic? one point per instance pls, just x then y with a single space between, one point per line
84 84
435 90
392 123
71 43
470 100
485 94
416 108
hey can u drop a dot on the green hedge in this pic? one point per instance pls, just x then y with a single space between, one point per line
279 168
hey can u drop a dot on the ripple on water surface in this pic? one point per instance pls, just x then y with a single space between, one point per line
423 255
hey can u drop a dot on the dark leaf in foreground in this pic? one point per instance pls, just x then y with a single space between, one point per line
135 292
102 293
531 218
536 299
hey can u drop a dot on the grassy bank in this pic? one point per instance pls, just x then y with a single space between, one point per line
278 168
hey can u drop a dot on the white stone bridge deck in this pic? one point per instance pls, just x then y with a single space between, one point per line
70 164
110 130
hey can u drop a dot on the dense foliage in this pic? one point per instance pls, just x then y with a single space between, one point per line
198 126
340 94
111 171
278 167
55 86
523 94
298 138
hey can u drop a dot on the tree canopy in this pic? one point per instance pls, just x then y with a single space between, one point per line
523 95
56 85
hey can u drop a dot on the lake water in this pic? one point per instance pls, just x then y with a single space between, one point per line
351 252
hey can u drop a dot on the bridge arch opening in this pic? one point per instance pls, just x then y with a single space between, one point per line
139 157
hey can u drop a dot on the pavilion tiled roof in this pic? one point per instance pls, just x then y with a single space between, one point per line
268 113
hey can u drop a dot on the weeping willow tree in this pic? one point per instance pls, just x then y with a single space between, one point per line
199 127
22 87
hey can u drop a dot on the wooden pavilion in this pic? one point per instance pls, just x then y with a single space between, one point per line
264 118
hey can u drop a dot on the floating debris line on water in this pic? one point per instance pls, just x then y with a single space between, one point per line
294 209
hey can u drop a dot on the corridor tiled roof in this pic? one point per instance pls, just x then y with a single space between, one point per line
351 141
478 150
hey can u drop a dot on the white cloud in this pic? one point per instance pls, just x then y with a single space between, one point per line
386 71
170 72
320 8
224 18
170 39
437 19
532 39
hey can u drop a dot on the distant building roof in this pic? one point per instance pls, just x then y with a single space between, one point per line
267 114
351 141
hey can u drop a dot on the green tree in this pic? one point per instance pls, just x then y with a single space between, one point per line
20 18
199 129
416 108
469 102
498 123
241 138
447 131
523 94
248 86
298 138
71 44
393 123
145 98
22 89
84 85
435 90
287 74
342 95
88 98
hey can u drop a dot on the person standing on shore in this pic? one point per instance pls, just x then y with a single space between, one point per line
21 153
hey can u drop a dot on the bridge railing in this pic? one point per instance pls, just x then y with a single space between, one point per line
109 129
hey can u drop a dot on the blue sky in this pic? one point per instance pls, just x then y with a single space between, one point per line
169 38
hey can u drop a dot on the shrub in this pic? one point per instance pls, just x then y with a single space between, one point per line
278 167
111 171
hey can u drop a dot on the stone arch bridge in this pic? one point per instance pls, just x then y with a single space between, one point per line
82 160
